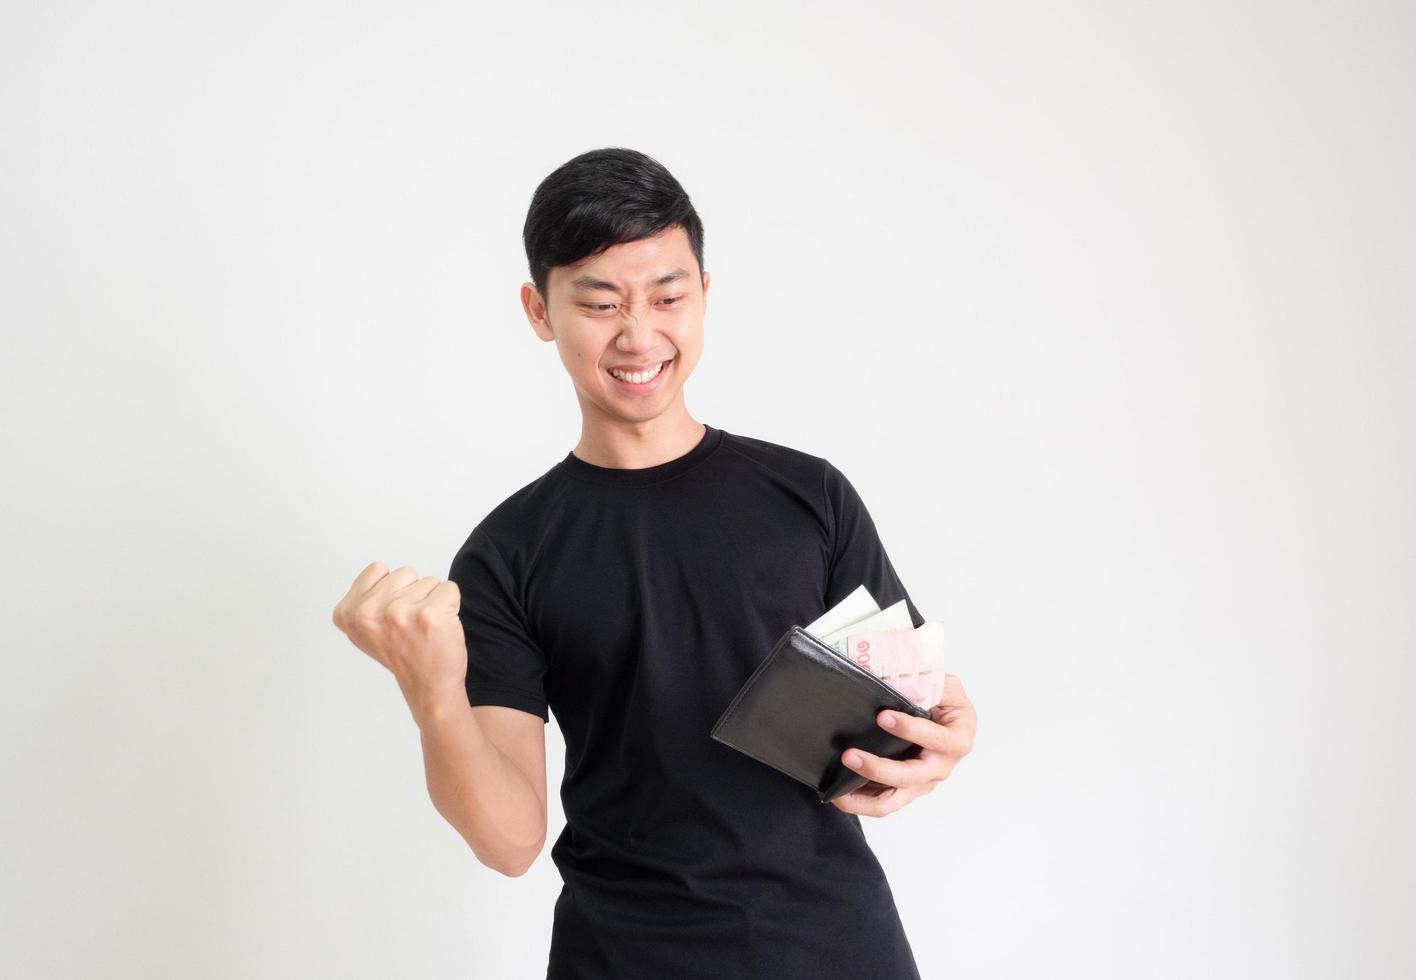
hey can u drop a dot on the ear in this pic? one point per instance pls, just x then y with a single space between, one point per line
706 277
535 308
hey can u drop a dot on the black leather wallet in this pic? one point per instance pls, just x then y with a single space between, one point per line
804 705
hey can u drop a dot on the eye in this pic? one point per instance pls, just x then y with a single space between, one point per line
598 307
671 300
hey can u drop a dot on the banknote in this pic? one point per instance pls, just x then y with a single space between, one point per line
852 609
896 616
910 660
886 643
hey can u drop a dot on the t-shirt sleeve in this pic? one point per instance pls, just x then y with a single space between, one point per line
504 664
857 555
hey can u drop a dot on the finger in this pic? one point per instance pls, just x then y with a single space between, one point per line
891 772
446 594
930 732
961 721
365 580
953 691
870 802
392 582
955 710
362 583
418 590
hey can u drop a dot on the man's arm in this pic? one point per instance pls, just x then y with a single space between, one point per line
486 772
485 765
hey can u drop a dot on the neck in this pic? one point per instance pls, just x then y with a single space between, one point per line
626 444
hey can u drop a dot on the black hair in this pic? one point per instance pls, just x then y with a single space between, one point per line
602 198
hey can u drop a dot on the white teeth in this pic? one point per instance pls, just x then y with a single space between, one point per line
640 377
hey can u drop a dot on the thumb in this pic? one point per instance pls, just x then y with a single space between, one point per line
953 696
447 596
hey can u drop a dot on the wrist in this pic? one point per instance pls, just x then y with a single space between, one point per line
433 708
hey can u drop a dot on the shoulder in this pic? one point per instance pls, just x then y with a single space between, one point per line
814 476
515 523
784 460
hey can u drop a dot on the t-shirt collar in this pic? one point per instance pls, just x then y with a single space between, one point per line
574 466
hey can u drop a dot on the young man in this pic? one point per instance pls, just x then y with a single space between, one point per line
632 588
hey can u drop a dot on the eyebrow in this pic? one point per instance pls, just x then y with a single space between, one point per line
590 282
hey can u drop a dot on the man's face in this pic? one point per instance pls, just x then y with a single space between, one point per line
626 311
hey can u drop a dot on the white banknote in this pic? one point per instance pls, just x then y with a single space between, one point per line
851 609
894 617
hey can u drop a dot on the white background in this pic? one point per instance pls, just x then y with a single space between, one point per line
1107 309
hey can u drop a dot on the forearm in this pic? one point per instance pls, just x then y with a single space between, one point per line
479 790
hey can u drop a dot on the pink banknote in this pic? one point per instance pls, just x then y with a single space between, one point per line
909 660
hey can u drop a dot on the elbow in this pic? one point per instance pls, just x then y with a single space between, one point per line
517 870
512 863
513 866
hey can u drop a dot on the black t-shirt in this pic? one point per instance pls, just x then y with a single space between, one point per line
634 603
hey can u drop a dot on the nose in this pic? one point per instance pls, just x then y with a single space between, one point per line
637 327
634 312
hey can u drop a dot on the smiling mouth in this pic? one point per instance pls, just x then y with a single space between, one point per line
640 379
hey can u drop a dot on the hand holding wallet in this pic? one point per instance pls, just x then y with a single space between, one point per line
808 700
